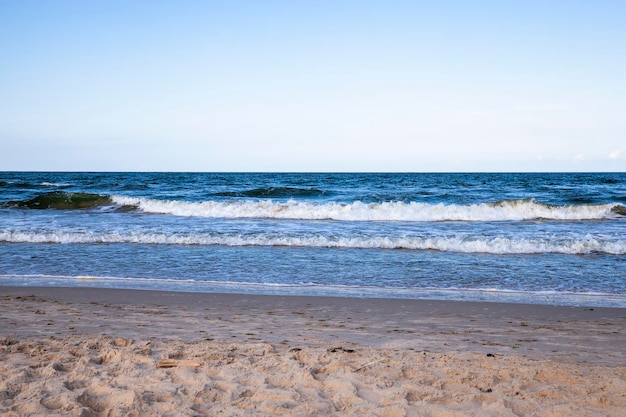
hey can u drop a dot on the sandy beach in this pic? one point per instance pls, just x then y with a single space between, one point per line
99 352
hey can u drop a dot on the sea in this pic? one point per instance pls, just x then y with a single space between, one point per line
541 238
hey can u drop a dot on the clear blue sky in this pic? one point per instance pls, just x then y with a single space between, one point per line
313 85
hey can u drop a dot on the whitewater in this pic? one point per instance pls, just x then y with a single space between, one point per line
385 211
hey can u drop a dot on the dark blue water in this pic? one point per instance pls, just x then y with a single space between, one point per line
546 238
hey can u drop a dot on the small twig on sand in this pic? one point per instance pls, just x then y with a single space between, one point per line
368 364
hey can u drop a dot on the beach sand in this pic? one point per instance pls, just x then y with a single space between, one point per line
100 352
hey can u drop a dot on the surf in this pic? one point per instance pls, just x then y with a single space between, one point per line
508 210
500 245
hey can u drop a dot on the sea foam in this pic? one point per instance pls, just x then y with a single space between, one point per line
494 245
510 210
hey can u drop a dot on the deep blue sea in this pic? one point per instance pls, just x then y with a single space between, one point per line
537 238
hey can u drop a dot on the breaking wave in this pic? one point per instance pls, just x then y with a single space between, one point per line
493 245
509 210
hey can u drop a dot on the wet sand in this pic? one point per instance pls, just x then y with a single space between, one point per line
99 352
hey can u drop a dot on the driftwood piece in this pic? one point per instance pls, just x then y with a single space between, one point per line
173 363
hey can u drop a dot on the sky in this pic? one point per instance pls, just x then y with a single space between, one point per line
413 86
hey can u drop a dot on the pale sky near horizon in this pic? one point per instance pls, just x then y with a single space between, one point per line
313 85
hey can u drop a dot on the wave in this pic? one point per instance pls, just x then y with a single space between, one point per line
492 245
17 184
55 184
619 209
276 192
33 185
509 210
63 201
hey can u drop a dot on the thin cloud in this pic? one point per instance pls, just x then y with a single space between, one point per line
617 154
544 108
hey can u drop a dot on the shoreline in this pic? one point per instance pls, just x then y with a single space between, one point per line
561 299
96 352
378 322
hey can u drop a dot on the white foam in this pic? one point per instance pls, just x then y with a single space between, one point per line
54 184
513 210
494 245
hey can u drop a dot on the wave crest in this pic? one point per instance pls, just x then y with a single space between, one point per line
509 210
493 245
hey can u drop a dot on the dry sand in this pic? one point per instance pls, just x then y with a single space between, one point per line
94 352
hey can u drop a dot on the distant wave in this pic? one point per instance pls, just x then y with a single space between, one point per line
276 192
494 245
18 184
509 210
55 184
33 185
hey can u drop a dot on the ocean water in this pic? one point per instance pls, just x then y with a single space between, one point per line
537 238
